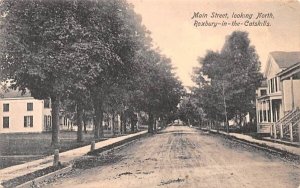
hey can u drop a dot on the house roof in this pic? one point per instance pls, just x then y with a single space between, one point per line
290 71
285 59
10 93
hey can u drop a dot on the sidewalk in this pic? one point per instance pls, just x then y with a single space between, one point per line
278 146
65 157
295 144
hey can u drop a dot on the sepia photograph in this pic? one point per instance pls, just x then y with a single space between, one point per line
149 93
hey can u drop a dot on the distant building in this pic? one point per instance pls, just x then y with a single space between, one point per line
278 98
23 113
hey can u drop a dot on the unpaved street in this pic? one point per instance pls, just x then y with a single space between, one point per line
183 157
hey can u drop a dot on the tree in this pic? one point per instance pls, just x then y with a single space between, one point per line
122 30
210 89
232 77
158 89
36 36
189 110
244 77
84 51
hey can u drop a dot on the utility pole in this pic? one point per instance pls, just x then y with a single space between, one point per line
225 108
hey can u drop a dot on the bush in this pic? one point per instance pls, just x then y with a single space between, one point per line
247 128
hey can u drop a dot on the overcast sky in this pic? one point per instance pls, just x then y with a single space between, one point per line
174 33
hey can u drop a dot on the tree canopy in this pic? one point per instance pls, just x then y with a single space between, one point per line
227 80
94 54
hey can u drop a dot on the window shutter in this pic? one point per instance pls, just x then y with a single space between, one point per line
25 121
31 121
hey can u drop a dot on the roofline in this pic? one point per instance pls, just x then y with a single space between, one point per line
268 65
17 98
262 87
281 73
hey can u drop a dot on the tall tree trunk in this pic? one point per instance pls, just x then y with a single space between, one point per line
113 123
155 125
150 122
55 120
132 123
101 132
96 121
85 121
122 122
164 123
84 127
200 122
79 122
240 119
98 132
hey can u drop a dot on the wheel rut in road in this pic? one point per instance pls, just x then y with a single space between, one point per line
185 157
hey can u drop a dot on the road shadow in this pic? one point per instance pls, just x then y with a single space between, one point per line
88 162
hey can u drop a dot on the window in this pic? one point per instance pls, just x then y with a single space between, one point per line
272 86
30 106
263 92
5 122
28 121
50 121
5 107
47 123
276 84
46 103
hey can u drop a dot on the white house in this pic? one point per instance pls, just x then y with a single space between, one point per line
278 98
23 113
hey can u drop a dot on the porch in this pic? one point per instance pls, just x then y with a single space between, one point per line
269 110
288 127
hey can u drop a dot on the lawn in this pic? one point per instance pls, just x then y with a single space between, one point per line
23 147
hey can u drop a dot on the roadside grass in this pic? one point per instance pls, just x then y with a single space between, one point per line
257 135
18 148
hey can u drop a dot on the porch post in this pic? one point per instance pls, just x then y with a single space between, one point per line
262 111
291 132
276 114
271 119
257 112
271 110
278 84
271 130
281 130
267 116
267 110
292 92
275 132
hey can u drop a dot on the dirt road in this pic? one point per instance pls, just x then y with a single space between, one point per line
183 157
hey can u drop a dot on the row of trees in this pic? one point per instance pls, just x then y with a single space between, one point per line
92 54
226 82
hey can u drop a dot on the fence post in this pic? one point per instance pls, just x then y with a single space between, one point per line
271 131
291 132
275 132
281 130
56 157
92 145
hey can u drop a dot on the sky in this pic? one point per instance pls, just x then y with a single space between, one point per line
172 28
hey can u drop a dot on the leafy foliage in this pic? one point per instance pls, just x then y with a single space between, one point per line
232 77
94 55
